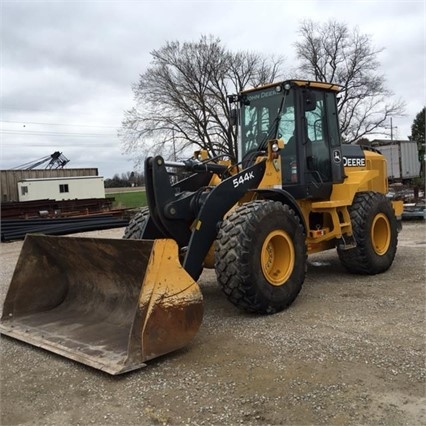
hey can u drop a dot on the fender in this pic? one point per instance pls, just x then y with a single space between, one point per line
284 197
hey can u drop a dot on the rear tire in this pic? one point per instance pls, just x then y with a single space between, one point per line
375 231
260 257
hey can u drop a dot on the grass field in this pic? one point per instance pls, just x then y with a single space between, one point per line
128 200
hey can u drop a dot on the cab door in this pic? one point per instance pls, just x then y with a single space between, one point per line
321 143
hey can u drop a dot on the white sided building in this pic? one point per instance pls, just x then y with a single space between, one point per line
61 188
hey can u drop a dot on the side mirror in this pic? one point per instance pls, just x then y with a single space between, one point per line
309 100
233 117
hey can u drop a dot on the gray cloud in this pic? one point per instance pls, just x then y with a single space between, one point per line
73 62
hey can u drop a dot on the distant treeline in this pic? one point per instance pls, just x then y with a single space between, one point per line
127 179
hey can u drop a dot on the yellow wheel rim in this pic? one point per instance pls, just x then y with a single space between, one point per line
381 234
277 257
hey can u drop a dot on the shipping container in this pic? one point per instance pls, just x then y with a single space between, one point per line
410 164
61 188
402 159
391 152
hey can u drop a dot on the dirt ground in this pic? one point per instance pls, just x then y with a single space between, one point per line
349 351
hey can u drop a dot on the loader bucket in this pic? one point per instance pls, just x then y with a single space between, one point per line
108 303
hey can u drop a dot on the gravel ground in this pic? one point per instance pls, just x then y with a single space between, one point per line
349 351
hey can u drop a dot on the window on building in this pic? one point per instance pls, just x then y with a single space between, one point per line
24 190
63 188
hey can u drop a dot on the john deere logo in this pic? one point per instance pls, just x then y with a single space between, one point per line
353 162
336 156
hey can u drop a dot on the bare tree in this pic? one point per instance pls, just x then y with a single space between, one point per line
331 52
181 99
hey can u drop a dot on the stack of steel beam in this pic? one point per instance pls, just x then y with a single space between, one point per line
16 229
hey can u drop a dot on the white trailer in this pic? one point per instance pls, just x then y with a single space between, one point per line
61 188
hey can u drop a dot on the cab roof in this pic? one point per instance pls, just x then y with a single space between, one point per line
302 83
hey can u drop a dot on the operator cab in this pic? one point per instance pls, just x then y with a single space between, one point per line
304 115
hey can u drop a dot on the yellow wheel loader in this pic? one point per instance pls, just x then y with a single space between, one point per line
295 190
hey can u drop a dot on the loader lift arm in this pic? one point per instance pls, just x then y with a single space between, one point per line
191 217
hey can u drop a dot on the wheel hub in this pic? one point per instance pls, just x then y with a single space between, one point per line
381 234
277 257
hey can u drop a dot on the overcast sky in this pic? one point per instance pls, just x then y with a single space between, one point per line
67 66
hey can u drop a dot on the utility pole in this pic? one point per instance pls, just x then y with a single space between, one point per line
391 148
174 145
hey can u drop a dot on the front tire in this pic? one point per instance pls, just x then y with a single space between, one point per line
141 227
375 231
137 225
260 257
